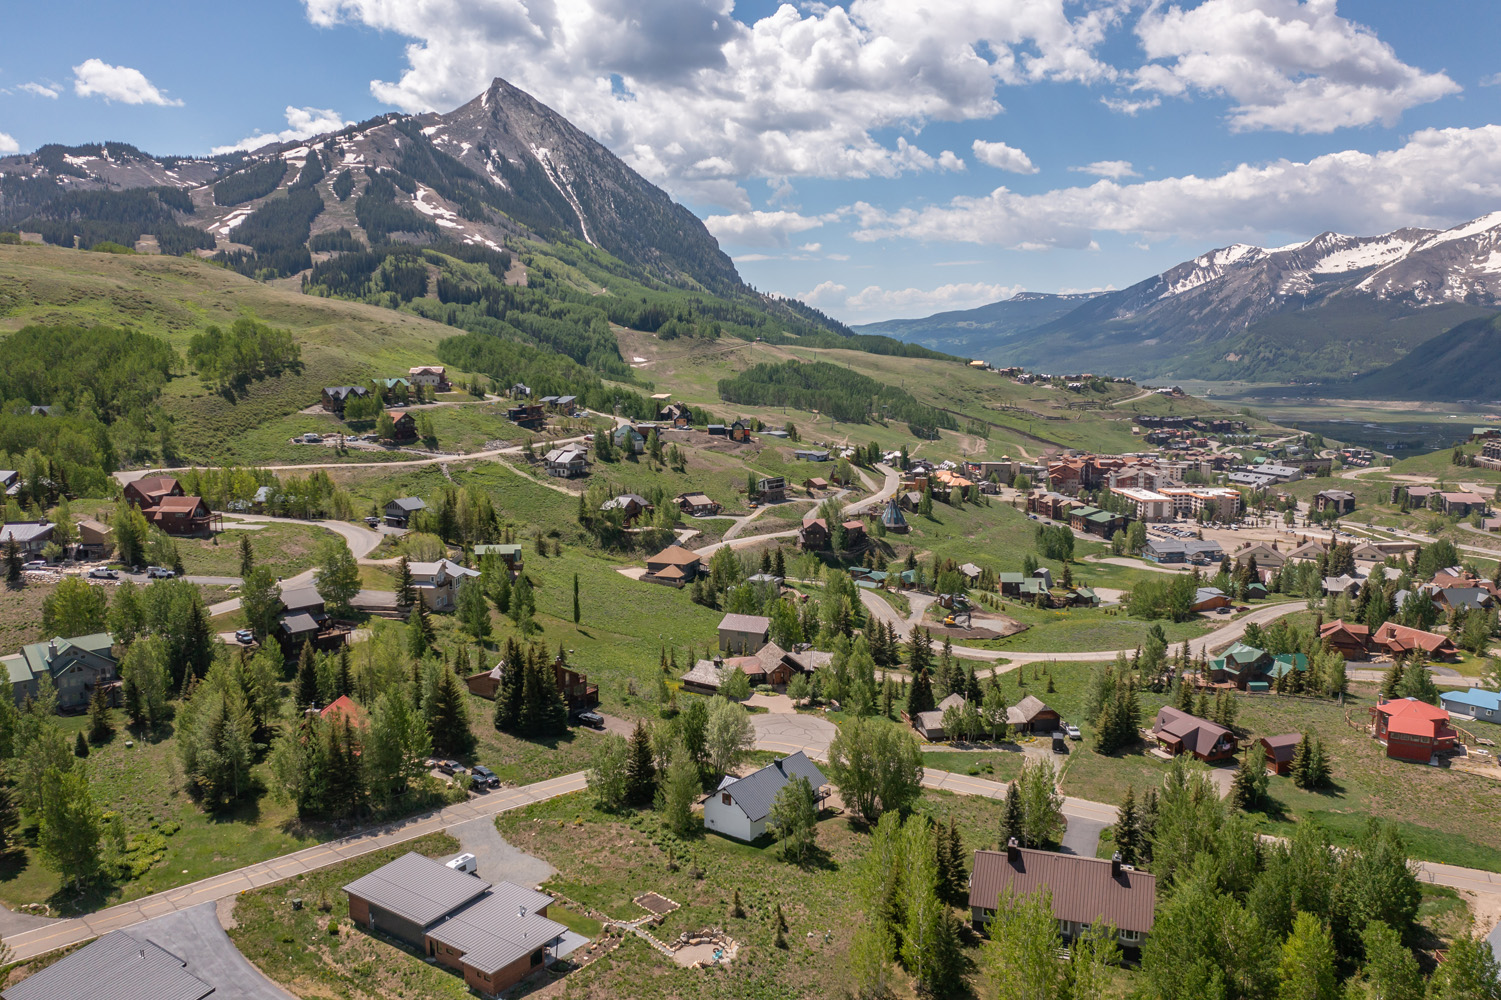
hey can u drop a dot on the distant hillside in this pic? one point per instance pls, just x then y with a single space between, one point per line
1462 363
975 332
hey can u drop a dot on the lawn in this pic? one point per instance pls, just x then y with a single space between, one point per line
1085 629
285 549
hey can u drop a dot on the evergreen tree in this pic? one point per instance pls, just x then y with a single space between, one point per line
511 693
406 589
69 826
920 694
448 716
343 677
1307 968
1012 823
1127 833
473 610
99 724
307 677
247 555
640 770
419 632
1302 757
577 611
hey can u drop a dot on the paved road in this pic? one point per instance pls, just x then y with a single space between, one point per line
132 475
887 490
195 936
60 934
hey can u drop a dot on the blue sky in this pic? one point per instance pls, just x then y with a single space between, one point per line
883 158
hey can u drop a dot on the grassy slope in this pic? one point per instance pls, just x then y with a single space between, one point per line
175 297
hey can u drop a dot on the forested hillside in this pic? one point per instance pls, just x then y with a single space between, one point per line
838 392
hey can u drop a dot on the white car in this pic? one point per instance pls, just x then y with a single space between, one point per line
1073 731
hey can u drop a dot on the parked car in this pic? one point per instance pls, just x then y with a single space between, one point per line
591 719
1060 741
1073 731
484 777
245 636
103 573
159 573
34 564
450 767
372 521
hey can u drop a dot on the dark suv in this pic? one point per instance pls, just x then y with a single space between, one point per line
482 777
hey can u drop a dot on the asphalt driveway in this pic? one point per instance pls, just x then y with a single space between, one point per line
194 935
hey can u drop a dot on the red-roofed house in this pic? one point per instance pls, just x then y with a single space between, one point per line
343 708
1399 640
1412 729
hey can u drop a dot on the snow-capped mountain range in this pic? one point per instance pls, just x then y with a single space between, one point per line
1330 307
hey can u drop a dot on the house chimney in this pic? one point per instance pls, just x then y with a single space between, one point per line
1013 851
1115 865
51 649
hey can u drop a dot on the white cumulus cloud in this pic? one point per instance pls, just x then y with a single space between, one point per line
1437 178
302 123
763 229
1287 65
97 78
1003 157
698 101
1114 169
8 144
825 293
964 295
39 90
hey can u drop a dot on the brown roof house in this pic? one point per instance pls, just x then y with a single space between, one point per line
1279 751
1350 639
492 935
697 505
1085 891
577 692
674 566
1400 640
178 515
743 634
149 491
1178 732
1030 715
768 665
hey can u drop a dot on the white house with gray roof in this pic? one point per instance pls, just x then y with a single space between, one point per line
740 807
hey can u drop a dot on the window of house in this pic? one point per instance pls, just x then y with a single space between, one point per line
1130 936
725 798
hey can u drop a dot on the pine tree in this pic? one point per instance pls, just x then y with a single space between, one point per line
307 677
920 694
343 678
247 555
12 563
419 632
99 725
779 564
576 610
1012 821
1318 766
448 717
406 590
1302 757
641 772
1127 833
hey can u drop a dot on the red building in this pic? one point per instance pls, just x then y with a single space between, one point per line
1412 729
